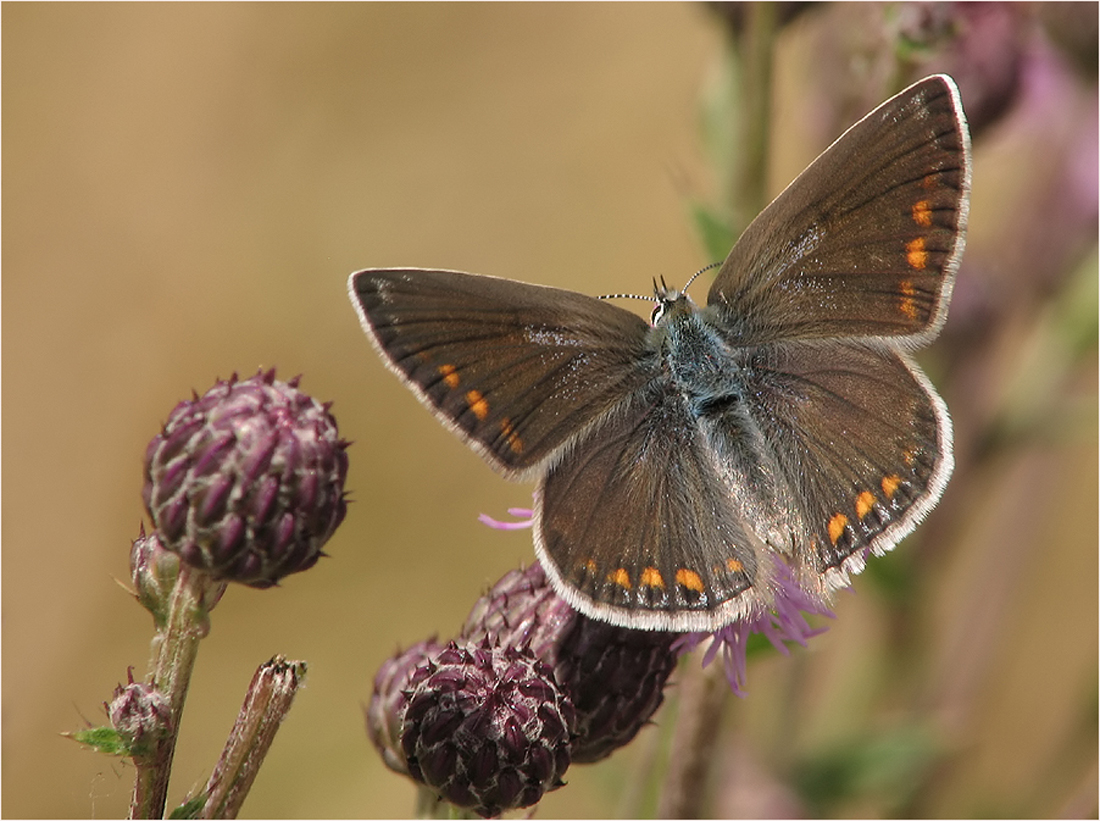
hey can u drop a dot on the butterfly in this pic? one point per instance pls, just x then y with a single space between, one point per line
677 461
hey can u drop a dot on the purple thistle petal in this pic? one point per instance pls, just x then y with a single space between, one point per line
784 622
527 519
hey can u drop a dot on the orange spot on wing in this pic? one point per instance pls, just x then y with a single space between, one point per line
651 577
689 579
836 527
916 255
929 181
864 502
907 305
590 566
450 375
477 404
922 213
514 442
734 566
621 578
890 485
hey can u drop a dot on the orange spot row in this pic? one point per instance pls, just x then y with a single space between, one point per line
864 502
907 305
922 213
916 255
836 527
514 442
450 375
621 578
689 579
890 485
651 577
477 404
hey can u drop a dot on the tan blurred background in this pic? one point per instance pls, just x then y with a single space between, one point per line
187 187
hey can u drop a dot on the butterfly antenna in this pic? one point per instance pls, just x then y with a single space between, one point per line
700 271
625 296
662 288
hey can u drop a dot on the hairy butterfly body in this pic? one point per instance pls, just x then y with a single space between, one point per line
783 421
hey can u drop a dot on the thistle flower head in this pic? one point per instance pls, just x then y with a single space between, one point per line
247 481
614 676
485 727
389 699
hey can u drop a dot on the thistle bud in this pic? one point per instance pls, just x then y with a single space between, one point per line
615 677
247 482
485 727
141 717
153 571
388 701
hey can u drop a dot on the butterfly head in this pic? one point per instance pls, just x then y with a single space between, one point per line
670 302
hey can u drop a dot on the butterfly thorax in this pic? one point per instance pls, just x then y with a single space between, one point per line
695 355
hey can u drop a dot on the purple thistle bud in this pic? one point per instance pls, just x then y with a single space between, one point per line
247 481
614 676
388 702
981 45
485 727
140 715
153 571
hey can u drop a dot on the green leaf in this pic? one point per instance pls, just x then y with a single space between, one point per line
889 767
189 809
103 740
714 231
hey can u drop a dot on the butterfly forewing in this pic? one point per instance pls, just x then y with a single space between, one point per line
866 241
516 369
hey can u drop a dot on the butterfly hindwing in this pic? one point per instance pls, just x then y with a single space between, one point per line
859 446
637 528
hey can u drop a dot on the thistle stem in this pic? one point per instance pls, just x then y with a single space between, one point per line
269 698
174 649
704 693
754 48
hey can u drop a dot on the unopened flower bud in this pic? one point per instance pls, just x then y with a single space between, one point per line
247 482
153 571
388 701
140 715
614 676
487 728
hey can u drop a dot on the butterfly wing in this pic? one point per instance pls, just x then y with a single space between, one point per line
866 241
855 445
635 525
515 369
